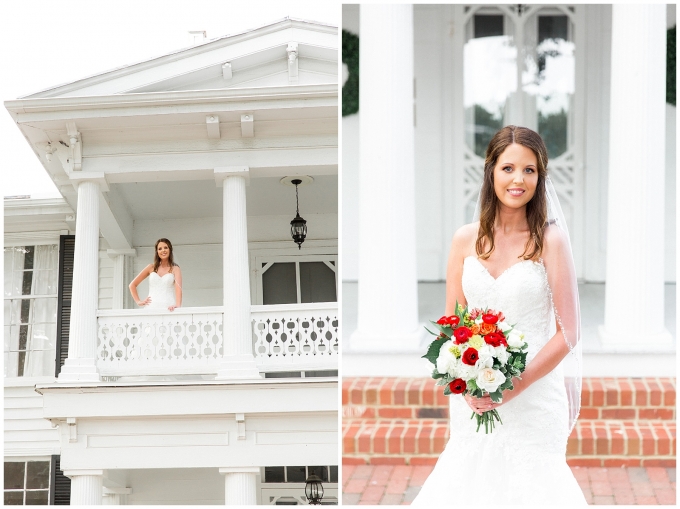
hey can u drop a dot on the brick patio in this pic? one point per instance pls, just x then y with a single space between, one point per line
399 484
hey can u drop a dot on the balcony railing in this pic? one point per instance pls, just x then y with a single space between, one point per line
291 337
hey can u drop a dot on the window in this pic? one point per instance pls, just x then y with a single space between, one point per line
30 310
328 474
296 280
27 482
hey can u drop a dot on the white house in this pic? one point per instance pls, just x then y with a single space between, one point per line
435 83
232 398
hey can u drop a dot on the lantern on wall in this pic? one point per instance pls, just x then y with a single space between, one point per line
314 489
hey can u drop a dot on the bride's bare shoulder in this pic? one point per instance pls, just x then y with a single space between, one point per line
464 240
555 241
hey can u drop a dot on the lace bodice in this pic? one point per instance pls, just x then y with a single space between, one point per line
161 290
521 292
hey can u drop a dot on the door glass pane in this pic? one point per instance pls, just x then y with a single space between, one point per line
36 497
38 475
14 498
274 474
320 472
278 284
317 282
489 78
549 78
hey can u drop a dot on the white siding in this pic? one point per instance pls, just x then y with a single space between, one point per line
105 281
26 433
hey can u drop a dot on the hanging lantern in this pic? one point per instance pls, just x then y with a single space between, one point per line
298 226
314 489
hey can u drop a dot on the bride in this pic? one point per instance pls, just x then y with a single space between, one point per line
165 280
523 460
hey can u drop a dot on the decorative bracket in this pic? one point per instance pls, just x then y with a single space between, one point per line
247 126
241 426
72 429
213 124
227 73
292 62
75 145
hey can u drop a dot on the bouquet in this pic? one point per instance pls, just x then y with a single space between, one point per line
476 352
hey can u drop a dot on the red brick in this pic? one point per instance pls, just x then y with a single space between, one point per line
440 438
584 462
387 460
355 486
395 412
666 496
587 442
624 497
348 440
633 441
618 413
621 462
597 394
589 413
626 389
427 397
601 488
413 392
659 462
601 440
648 442
350 460
410 440
420 474
381 475
597 474
399 396
379 440
423 460
397 484
611 388
654 392
425 440
441 399
642 489
640 392
667 414
618 445
572 446
394 440
365 439
373 494
386 392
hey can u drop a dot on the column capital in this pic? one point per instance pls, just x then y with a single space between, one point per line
239 470
77 177
76 472
222 172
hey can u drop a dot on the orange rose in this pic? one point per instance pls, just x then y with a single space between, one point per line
486 328
475 329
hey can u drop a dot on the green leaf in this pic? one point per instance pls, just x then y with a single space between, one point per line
433 351
472 386
447 391
496 396
436 374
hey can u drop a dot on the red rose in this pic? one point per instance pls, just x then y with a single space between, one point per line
495 339
451 321
462 334
499 314
489 318
458 386
470 356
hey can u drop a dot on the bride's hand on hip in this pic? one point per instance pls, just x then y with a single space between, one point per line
172 308
144 302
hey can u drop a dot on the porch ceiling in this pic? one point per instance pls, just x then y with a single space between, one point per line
202 198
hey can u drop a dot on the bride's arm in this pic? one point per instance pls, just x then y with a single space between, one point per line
454 269
135 283
178 287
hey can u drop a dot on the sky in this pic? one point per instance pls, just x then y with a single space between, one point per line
47 43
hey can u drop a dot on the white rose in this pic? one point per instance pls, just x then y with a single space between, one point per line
486 355
515 339
490 379
503 326
466 372
446 360
501 354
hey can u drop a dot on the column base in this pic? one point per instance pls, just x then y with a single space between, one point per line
238 367
377 342
240 485
626 341
79 370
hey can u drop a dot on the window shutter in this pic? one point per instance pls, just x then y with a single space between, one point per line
60 485
67 244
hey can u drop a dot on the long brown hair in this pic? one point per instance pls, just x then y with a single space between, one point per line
537 208
156 258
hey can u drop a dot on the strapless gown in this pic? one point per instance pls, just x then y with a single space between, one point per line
161 291
524 460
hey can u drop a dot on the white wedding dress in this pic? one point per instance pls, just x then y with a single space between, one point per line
523 460
161 291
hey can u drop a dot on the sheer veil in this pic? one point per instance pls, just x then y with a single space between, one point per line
561 280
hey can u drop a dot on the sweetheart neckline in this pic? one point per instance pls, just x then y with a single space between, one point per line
166 274
539 262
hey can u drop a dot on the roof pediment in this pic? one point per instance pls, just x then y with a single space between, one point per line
288 52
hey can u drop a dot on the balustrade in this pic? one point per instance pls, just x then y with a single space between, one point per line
291 337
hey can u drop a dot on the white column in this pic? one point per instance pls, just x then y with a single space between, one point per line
86 486
240 485
80 364
238 361
110 499
634 294
388 286
120 283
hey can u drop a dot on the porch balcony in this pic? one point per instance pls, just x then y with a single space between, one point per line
189 341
